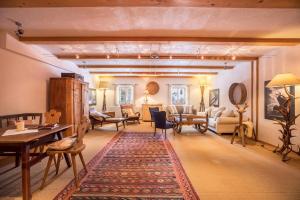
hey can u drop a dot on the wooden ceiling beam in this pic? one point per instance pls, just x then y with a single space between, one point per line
153 66
152 3
155 73
130 56
137 76
218 40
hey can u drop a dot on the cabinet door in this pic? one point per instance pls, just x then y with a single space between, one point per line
77 103
85 99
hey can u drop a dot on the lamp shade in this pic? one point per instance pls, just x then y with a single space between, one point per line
103 85
281 80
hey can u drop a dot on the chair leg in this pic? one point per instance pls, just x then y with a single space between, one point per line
123 122
46 171
165 133
154 132
17 161
117 126
75 169
82 161
58 162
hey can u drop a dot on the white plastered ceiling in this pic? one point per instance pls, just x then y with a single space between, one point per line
154 21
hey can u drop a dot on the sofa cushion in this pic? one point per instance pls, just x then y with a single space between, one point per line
128 111
211 122
227 120
228 113
172 109
188 109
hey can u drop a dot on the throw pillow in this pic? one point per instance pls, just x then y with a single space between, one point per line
128 111
218 114
99 114
215 110
208 111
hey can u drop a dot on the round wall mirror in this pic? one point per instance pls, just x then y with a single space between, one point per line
152 87
237 93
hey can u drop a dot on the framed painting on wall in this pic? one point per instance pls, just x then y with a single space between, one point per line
214 97
275 97
92 97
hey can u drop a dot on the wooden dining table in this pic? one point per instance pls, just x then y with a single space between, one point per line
14 145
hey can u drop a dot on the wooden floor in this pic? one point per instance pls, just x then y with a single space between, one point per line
217 169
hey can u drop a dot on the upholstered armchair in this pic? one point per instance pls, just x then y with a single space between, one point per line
128 113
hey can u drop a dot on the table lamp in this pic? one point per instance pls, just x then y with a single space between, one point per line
285 80
103 85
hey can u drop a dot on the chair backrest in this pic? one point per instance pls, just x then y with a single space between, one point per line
127 109
160 119
29 118
52 117
151 110
81 129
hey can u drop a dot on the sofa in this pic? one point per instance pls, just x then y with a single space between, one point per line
221 120
183 109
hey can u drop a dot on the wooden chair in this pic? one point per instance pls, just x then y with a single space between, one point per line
74 149
52 117
128 113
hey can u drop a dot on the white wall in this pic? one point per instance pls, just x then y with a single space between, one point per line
283 60
240 74
161 97
24 76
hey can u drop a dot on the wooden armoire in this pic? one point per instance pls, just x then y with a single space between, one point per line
70 97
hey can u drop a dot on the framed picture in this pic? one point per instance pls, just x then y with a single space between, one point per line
214 97
274 97
92 97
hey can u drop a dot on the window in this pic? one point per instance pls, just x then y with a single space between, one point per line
179 94
124 94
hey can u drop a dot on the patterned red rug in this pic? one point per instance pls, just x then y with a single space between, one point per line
133 165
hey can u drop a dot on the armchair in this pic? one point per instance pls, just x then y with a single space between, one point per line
128 113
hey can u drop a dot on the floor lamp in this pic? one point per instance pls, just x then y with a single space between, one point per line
103 85
288 122
203 84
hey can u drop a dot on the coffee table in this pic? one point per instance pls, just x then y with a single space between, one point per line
199 122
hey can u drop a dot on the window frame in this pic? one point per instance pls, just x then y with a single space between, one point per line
117 93
187 93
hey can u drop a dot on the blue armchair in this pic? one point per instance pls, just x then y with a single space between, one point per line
161 122
151 110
